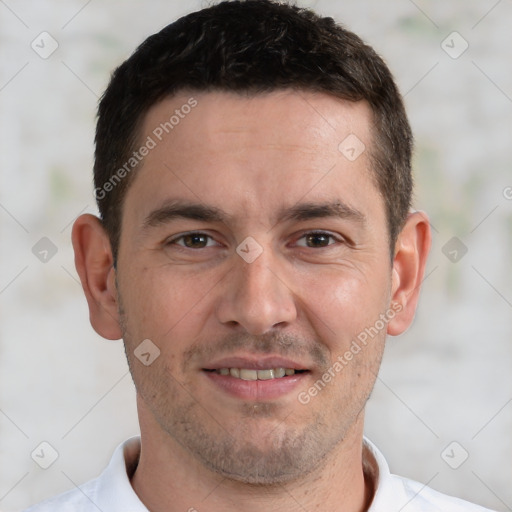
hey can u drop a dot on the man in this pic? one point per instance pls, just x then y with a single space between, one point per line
255 246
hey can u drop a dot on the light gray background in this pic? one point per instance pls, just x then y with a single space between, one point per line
447 379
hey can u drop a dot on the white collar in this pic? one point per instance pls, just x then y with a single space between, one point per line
115 492
386 491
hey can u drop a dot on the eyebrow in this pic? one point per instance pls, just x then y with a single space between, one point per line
179 209
307 211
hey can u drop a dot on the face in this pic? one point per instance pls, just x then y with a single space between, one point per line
253 247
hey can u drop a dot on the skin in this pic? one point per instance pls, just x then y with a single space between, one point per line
304 297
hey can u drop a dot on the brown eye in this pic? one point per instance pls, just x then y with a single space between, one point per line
317 240
192 241
195 240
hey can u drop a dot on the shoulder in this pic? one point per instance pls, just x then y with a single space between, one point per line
110 491
79 500
395 493
425 499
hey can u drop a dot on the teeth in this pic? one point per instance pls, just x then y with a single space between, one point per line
249 374
266 374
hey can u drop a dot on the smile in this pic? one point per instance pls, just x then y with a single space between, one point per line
251 374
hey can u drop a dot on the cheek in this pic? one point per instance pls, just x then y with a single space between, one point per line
346 303
165 306
153 303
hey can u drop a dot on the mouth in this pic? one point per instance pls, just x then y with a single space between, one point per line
254 374
249 378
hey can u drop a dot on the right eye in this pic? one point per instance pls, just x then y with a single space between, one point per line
192 240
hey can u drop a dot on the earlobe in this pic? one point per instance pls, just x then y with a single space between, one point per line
95 266
412 248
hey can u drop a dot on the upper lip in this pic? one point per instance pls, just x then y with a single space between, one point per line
255 363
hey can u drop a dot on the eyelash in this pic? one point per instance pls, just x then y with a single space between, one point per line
173 241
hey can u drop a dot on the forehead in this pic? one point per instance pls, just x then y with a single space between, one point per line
300 118
253 153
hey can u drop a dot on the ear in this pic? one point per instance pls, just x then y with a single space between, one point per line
95 266
411 251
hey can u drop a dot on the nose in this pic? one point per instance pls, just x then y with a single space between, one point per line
256 295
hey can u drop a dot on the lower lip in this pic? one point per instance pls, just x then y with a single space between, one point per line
256 390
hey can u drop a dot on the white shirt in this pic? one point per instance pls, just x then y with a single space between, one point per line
112 491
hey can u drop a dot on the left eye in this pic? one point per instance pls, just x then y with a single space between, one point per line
317 239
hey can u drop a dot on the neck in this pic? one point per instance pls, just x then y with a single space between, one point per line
168 478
